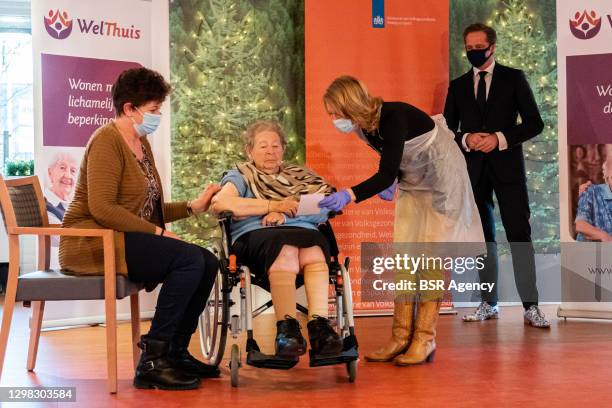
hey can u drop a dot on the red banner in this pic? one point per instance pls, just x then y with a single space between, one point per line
399 49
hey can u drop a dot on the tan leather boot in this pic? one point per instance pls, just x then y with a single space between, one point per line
423 345
403 316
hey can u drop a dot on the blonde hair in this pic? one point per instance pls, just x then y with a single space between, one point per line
349 97
262 126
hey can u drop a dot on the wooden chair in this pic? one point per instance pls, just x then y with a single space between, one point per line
24 213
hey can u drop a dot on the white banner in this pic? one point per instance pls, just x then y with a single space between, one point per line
584 46
80 47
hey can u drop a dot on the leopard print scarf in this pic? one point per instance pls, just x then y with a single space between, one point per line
291 181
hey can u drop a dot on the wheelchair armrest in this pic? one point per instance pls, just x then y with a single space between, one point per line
225 221
225 216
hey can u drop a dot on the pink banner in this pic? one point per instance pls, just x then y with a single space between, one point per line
76 94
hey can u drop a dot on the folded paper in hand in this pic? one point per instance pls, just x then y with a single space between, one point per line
309 204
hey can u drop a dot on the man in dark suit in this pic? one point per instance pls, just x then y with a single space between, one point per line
482 108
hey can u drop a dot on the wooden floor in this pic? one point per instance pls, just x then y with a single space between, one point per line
491 364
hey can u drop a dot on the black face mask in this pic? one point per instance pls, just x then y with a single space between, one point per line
477 57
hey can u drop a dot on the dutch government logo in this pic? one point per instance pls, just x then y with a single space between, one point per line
585 25
58 25
378 13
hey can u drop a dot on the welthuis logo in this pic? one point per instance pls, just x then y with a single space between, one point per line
378 13
586 25
108 28
57 24
59 27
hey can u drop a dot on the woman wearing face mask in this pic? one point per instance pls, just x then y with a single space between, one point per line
119 188
418 154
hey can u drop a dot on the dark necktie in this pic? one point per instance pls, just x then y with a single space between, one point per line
61 210
481 94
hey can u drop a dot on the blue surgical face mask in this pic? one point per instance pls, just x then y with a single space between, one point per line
150 123
345 125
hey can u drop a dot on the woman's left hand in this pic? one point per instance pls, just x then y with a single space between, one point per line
201 204
272 219
388 194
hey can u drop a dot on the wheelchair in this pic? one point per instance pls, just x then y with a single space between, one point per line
216 323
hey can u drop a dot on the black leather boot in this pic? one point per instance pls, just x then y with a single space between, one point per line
289 340
155 370
323 338
179 355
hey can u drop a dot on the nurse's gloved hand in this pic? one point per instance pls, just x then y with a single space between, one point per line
336 201
388 193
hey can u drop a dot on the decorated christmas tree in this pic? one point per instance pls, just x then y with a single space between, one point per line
232 63
523 44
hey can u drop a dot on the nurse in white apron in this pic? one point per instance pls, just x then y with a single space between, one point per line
435 203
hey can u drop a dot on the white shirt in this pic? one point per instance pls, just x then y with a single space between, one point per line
54 200
501 139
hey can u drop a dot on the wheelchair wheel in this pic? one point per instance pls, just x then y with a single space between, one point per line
351 368
235 364
213 322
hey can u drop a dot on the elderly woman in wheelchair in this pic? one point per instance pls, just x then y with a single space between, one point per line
276 244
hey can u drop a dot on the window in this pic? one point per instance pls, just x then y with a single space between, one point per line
16 75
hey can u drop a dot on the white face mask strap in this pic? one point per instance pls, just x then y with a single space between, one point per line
132 116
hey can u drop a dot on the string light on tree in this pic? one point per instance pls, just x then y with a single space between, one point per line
518 26
230 66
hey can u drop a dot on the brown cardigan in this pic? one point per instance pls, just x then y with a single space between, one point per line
110 192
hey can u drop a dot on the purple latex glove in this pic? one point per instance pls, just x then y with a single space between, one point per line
388 194
336 201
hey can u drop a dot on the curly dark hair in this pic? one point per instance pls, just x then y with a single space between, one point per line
138 86
476 27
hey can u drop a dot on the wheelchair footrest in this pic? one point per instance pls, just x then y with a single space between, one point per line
258 359
350 352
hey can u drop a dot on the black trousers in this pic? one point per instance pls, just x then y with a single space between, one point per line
513 203
187 274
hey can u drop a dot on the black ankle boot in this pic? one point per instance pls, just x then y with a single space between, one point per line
179 355
323 338
155 370
289 340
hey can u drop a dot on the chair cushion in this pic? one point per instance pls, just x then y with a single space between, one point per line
54 285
